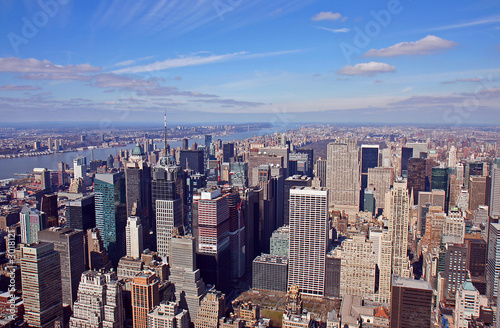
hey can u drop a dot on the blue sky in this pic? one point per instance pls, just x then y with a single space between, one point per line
274 61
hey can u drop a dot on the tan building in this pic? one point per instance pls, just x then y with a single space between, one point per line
167 315
144 297
380 179
211 310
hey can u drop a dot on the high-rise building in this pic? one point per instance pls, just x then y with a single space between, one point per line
227 151
420 175
48 205
99 303
357 274
477 192
134 233
192 159
320 171
397 209
406 154
343 174
168 314
468 301
138 189
144 297
493 264
411 303
280 241
184 274
369 160
290 182
110 211
455 271
80 212
380 179
32 221
80 167
41 280
452 156
70 245
168 217
239 174
308 239
494 201
96 258
270 272
211 309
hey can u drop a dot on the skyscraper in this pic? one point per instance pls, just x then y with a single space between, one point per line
493 264
32 221
110 210
70 245
411 303
211 309
168 217
134 233
80 212
144 297
343 174
468 301
320 171
397 209
380 179
495 189
99 303
369 160
96 258
308 239
168 314
41 280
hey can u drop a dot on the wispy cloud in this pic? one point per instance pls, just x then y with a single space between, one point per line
132 61
231 102
195 60
428 45
469 79
334 30
366 69
12 87
482 21
326 15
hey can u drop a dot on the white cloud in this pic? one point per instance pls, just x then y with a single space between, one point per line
366 69
487 20
194 60
12 87
326 15
425 46
334 30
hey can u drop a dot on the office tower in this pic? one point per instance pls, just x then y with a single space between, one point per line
32 221
41 280
290 182
477 257
97 257
320 171
452 157
208 140
308 239
144 297
70 245
100 301
468 301
192 159
406 154
427 199
236 235
299 164
184 274
420 175
280 241
134 233
168 217
455 271
270 272
239 174
110 211
168 314
369 201
211 309
397 211
138 189
80 212
167 185
255 162
454 227
420 149
380 179
477 192
384 268
48 205
411 303
309 161
357 274
493 264
434 223
280 151
80 167
185 144
440 178
494 201
333 266
343 174
227 151
369 160
211 229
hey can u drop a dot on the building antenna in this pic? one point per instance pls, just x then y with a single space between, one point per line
165 134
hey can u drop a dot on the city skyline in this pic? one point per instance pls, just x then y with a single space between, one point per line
235 61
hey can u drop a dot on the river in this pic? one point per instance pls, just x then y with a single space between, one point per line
9 166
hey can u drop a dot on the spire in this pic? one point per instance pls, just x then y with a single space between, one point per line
165 135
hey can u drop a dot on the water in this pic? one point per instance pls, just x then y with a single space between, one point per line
9 166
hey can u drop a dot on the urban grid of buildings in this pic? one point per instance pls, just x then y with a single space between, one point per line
322 226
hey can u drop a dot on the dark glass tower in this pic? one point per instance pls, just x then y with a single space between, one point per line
369 160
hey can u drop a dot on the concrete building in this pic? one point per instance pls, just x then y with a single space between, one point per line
135 237
468 302
41 281
308 239
270 272
145 297
32 221
211 309
168 314
493 264
280 241
168 217
411 303
494 201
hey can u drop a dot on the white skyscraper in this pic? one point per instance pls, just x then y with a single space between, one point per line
452 157
308 239
135 244
495 189
468 301
99 303
397 207
343 174
80 167
380 179
168 216
493 263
